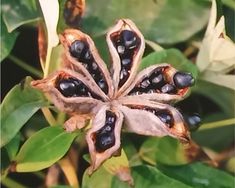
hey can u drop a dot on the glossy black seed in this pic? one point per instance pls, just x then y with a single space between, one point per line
102 84
121 49
124 74
157 81
78 49
168 88
94 67
145 83
104 141
193 121
129 39
67 87
151 91
110 118
126 62
165 117
183 80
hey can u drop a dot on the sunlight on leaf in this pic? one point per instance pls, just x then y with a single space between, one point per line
17 12
17 108
43 149
199 175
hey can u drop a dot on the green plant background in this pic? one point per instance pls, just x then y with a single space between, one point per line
29 144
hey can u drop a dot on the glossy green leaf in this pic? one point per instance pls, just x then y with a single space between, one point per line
149 177
43 149
16 13
222 96
171 56
7 41
18 106
165 21
199 175
99 179
229 3
13 146
165 150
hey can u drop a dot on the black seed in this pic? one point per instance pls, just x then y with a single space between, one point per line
88 57
94 66
110 118
104 141
67 87
129 39
145 83
78 49
151 91
82 90
126 62
193 121
102 84
157 80
168 88
183 80
165 117
124 74
121 49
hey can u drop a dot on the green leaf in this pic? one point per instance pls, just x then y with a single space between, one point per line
165 150
199 175
229 3
7 40
171 56
16 13
165 21
61 186
222 96
43 149
18 106
149 177
99 179
13 146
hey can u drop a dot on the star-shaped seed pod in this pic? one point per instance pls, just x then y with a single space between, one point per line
85 89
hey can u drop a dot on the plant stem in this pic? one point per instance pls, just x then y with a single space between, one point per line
48 58
10 183
217 124
69 171
25 66
48 115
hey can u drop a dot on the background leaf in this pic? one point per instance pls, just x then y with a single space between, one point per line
13 146
18 106
43 149
165 150
7 40
149 177
99 179
199 175
171 56
16 13
165 21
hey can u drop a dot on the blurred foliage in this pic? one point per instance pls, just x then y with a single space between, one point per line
29 145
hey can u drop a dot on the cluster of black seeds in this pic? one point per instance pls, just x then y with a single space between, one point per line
164 115
156 82
80 50
104 138
72 87
126 44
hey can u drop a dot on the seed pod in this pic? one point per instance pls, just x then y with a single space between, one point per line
71 103
125 42
82 56
85 87
101 150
